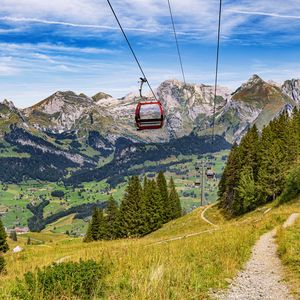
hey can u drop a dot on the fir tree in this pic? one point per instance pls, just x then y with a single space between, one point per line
163 188
174 200
95 225
3 243
230 176
112 219
153 206
97 229
132 210
246 192
271 175
88 236
102 231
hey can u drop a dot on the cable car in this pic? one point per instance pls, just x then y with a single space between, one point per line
210 174
197 183
148 114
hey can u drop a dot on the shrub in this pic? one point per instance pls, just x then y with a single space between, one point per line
69 280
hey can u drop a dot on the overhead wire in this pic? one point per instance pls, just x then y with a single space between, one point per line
176 41
216 76
131 49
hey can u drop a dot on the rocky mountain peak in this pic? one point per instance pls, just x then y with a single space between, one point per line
9 104
100 96
292 89
252 81
60 100
259 93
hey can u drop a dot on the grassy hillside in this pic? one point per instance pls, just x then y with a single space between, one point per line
185 259
289 251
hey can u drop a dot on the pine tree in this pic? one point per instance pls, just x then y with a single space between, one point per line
153 206
174 200
246 192
97 229
3 243
230 177
271 175
248 150
102 229
88 236
163 188
95 225
112 219
132 210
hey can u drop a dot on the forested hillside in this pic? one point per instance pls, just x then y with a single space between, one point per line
263 167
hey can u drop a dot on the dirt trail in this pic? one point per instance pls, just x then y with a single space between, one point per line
261 278
203 215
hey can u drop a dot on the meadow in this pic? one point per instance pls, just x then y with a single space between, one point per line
186 259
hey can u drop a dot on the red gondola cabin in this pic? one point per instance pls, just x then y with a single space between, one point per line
149 115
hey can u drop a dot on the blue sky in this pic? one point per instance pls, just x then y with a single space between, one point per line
76 45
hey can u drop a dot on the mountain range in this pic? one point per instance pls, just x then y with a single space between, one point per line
67 136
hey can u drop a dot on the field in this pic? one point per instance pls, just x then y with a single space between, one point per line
14 198
186 259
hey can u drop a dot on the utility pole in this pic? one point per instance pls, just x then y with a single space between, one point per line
200 179
202 182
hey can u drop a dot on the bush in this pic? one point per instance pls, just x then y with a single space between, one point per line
292 186
70 280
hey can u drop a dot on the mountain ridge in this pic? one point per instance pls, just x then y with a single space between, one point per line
87 132
187 106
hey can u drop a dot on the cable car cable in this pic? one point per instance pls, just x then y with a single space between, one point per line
216 75
176 40
131 49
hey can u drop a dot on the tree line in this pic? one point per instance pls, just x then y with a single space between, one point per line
143 209
263 166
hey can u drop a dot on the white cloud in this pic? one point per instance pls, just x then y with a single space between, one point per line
90 26
47 47
196 19
260 13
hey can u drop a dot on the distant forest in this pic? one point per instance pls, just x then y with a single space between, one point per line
52 166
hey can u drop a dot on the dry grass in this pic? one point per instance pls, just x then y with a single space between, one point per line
289 251
140 269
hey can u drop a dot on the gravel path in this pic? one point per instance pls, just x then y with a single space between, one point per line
261 277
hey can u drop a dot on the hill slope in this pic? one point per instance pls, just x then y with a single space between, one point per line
157 266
